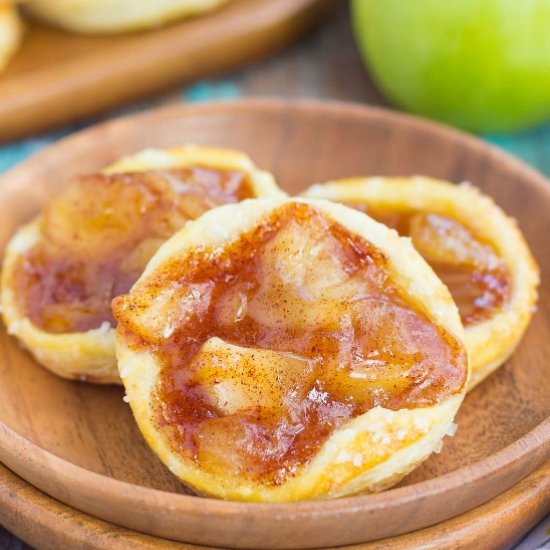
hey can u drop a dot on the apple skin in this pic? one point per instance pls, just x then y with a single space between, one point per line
482 65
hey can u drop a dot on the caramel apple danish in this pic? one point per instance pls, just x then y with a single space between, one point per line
10 32
475 248
112 16
92 242
287 349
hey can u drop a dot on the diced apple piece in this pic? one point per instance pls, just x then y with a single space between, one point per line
303 283
156 313
238 379
443 239
303 260
232 306
219 444
97 211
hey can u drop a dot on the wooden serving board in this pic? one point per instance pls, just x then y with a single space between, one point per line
45 523
79 443
59 77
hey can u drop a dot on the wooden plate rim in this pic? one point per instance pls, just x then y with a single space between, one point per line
535 442
37 517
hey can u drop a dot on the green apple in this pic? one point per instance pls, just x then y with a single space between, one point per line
483 65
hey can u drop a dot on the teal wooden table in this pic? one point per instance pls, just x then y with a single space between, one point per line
324 65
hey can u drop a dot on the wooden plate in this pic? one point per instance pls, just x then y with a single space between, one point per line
44 522
79 443
58 77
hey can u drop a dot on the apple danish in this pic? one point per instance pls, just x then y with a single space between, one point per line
475 248
287 349
112 16
11 32
92 242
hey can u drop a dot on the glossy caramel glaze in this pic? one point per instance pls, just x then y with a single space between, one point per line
98 236
269 344
477 278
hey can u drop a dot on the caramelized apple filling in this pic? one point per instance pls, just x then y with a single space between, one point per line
269 344
477 278
98 236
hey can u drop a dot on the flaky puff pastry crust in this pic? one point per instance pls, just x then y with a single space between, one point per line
90 356
492 341
112 16
11 31
368 453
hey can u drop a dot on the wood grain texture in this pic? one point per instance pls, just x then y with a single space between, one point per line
79 443
47 524
59 77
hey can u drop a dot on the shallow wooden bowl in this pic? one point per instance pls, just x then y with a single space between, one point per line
79 444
